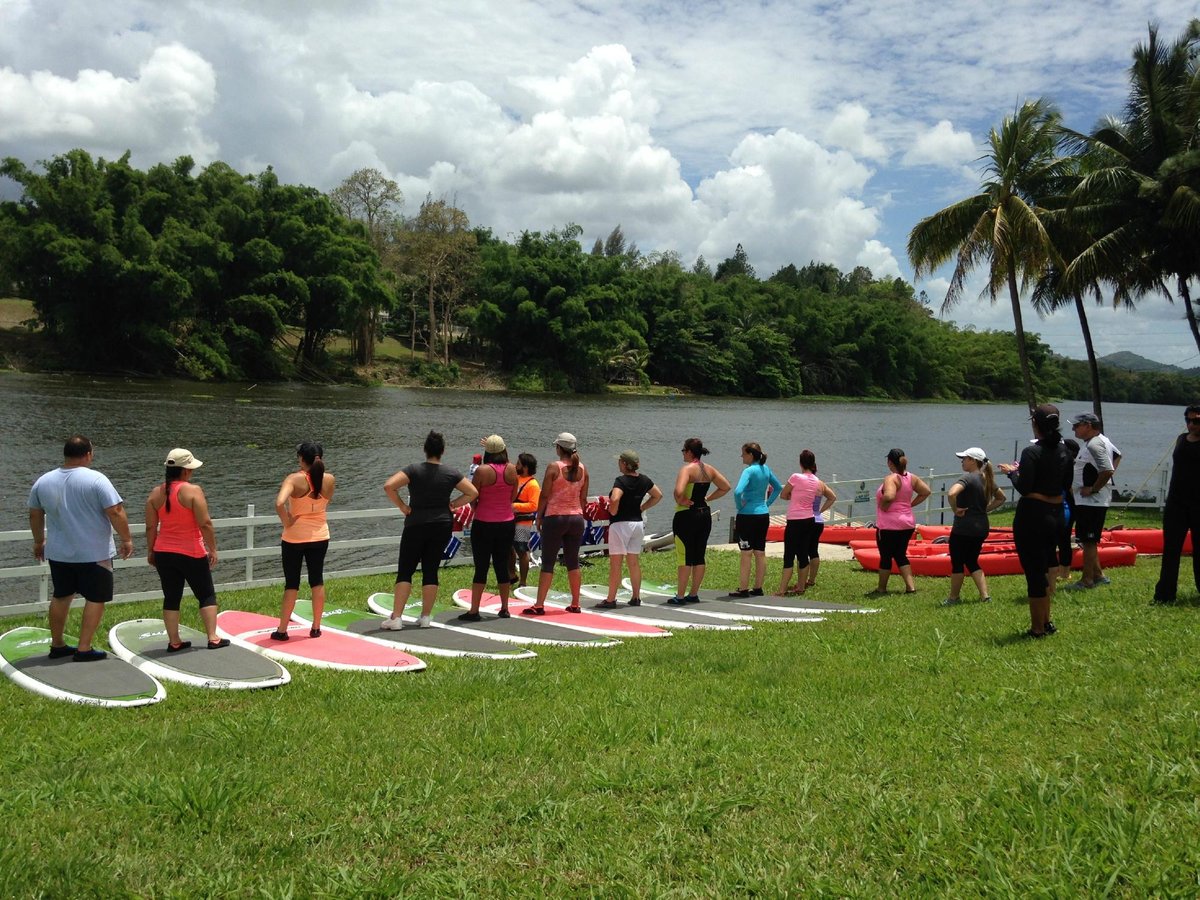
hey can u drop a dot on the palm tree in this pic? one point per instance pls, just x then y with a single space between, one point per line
1001 224
1141 195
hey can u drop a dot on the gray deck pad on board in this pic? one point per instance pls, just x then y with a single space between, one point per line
431 640
731 610
148 638
106 679
679 616
516 629
792 602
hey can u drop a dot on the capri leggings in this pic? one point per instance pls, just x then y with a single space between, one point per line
893 547
1035 531
964 552
422 544
814 545
752 531
797 540
492 540
311 554
692 528
174 569
561 533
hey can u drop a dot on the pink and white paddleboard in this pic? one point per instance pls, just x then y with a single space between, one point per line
557 614
332 650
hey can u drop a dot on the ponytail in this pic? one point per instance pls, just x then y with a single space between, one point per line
897 458
572 470
756 452
989 481
311 453
172 474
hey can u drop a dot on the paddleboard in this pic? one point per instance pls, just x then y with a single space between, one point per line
586 621
666 616
791 602
143 643
515 630
332 650
658 594
433 641
109 682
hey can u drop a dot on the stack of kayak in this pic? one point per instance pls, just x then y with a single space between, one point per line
998 556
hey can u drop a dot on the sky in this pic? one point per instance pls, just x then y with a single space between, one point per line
805 131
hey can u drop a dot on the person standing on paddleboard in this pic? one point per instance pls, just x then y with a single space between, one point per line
1040 477
801 492
894 520
525 507
560 520
971 498
300 505
692 522
1182 512
756 490
73 511
632 494
492 534
428 525
181 544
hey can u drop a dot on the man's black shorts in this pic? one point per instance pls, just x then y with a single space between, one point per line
90 580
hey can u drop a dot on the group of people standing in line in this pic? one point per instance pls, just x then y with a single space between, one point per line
74 511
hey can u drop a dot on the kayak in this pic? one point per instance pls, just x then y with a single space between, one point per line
997 563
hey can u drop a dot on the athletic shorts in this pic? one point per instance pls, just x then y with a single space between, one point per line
92 581
521 536
751 531
422 545
814 548
311 554
1089 523
625 538
964 552
1035 532
893 547
492 541
174 569
692 527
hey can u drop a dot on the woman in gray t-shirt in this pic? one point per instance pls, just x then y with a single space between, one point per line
971 498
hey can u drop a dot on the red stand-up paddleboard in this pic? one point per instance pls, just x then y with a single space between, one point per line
332 650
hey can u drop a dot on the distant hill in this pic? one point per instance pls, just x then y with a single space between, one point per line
1131 362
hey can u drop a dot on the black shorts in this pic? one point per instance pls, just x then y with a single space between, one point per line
311 554
174 569
423 545
563 533
492 541
964 552
692 527
91 581
893 547
797 540
1089 523
814 546
751 531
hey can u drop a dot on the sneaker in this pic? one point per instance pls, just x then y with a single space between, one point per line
504 614
470 617
1050 629
1035 634
63 651
756 592
219 644
691 598
740 594
605 604
183 645
1076 586
88 655
677 601
314 632
423 621
635 601
278 636
1103 579
951 601
985 599
389 624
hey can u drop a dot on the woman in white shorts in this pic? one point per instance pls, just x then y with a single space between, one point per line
632 494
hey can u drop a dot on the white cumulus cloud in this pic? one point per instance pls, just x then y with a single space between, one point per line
941 145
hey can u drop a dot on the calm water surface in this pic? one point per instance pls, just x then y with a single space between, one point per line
246 435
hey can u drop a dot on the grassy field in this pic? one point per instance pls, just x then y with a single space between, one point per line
917 751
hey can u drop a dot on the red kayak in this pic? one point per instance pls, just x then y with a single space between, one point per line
831 534
997 563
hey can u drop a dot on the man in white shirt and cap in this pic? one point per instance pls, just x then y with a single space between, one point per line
1092 487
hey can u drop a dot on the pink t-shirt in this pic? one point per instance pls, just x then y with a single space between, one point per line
899 514
805 486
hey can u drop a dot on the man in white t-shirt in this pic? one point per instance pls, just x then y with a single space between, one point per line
1092 486
73 511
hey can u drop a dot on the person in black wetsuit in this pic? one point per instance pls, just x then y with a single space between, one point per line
1182 512
1040 477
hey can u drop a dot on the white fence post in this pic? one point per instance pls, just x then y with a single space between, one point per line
250 542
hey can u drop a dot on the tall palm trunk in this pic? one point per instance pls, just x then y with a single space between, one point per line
1189 309
1093 366
1022 350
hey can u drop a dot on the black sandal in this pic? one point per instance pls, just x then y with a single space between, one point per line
606 604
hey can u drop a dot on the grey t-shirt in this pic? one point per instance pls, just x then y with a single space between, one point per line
974 523
429 488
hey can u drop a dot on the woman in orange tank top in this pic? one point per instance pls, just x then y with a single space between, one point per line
181 544
300 504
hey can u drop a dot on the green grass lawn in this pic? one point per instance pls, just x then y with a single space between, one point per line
917 751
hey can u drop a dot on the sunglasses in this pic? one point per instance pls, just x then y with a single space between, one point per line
1192 420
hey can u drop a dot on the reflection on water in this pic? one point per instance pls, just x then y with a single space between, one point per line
246 435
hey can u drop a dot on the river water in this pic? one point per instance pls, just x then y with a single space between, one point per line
247 435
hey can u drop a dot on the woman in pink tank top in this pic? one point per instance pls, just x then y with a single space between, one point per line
181 544
494 525
800 492
300 504
560 519
894 520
